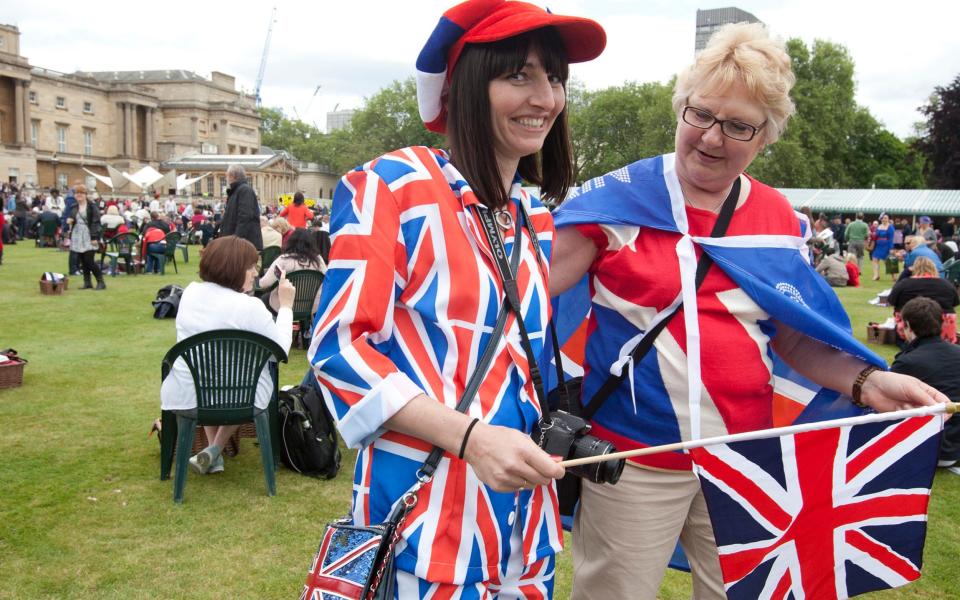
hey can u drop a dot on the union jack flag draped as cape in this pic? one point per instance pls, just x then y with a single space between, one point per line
774 272
771 270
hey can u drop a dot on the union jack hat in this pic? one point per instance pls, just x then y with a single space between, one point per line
484 21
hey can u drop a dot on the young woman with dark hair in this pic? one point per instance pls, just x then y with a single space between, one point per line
299 252
412 294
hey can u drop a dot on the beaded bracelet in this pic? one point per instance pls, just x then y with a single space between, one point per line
466 436
858 385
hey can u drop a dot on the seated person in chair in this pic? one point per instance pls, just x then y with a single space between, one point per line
926 282
228 267
932 360
299 252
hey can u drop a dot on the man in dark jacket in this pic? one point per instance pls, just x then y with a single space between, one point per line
242 215
934 362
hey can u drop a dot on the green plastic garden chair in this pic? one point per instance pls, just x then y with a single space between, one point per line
267 256
47 234
170 253
225 365
951 271
122 246
307 282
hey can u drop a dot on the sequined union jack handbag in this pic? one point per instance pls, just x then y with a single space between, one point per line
355 562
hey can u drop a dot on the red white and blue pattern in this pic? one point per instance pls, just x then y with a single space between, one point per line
342 565
822 514
408 304
714 370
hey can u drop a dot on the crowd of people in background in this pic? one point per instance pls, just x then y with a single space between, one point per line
25 215
890 243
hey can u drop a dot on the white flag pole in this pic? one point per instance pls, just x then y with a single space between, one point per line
949 407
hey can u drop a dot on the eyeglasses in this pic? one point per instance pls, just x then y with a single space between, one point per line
733 129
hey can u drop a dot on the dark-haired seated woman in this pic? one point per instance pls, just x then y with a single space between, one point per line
228 267
299 252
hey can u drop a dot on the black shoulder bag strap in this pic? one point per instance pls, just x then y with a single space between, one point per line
508 277
483 364
703 265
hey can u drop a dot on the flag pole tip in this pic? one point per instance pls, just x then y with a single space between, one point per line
952 407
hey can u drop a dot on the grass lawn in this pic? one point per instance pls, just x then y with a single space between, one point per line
84 514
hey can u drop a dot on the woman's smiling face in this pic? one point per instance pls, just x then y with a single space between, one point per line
707 160
523 108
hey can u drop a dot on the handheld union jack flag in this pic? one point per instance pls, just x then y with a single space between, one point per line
821 514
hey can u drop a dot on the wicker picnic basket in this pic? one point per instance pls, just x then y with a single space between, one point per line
11 373
50 288
233 445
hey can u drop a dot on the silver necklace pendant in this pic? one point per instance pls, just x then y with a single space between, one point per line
504 219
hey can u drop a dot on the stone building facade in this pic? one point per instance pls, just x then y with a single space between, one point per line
53 125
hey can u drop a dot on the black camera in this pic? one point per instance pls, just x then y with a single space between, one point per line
569 436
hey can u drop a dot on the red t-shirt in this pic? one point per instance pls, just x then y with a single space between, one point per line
297 216
634 276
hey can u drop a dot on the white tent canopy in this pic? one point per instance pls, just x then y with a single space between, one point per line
101 178
183 182
145 177
116 177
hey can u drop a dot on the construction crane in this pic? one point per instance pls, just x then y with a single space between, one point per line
266 51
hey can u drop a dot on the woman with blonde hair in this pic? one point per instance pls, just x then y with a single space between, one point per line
925 281
690 235
281 226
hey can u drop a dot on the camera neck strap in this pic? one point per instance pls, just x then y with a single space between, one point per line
646 343
483 363
511 291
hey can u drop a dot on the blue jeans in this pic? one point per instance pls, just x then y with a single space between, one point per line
153 265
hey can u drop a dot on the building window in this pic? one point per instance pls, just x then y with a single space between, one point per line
88 141
210 183
91 182
61 138
61 102
13 175
33 97
34 133
88 108
62 181
197 190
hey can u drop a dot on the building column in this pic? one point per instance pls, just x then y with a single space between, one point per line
148 134
135 123
194 130
127 130
18 111
131 141
27 137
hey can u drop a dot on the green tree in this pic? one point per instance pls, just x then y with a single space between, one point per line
940 142
619 125
300 139
831 142
388 120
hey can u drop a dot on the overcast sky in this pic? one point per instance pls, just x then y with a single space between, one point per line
352 48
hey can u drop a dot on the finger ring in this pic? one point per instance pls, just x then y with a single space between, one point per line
524 485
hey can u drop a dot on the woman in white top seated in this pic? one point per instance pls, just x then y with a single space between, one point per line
228 267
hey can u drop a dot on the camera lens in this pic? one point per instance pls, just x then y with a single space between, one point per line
604 472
